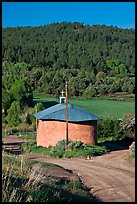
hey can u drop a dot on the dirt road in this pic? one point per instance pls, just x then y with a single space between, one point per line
110 177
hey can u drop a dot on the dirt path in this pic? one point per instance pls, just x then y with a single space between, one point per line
110 177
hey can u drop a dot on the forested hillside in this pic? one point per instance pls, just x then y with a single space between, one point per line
69 45
95 60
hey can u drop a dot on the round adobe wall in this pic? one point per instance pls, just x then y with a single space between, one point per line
50 132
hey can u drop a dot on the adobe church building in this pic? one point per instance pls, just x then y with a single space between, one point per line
51 125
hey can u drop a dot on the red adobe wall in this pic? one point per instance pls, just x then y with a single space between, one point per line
50 132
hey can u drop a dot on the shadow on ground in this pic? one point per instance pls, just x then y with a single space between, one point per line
14 148
117 145
48 104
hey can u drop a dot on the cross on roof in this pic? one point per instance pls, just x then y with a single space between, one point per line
62 92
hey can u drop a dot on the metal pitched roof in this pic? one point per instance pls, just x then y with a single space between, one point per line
58 112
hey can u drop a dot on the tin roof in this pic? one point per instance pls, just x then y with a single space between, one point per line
58 112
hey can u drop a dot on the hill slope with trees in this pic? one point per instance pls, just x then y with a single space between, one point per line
95 60
69 45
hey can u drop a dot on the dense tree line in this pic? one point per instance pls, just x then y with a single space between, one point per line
20 81
70 45
95 60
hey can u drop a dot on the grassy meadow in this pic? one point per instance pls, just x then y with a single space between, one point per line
107 108
104 108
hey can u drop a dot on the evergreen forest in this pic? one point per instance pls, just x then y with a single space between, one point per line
96 60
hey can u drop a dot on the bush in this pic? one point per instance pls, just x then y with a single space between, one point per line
13 114
109 128
28 146
76 149
95 150
28 119
39 107
132 149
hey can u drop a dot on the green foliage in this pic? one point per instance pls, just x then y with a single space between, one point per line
95 150
100 76
16 85
109 129
54 193
30 136
95 60
7 99
28 146
58 150
28 119
116 67
39 107
90 91
66 54
132 149
68 46
13 114
22 92
75 149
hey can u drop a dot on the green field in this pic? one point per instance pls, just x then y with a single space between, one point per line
101 107
107 108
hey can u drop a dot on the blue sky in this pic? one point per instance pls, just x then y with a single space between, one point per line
120 14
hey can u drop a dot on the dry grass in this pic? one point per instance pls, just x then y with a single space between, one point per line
24 180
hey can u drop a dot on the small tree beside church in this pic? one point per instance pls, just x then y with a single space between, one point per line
13 114
39 107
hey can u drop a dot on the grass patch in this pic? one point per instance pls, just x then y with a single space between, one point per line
32 147
31 136
106 108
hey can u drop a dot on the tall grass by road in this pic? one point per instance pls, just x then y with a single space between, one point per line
24 180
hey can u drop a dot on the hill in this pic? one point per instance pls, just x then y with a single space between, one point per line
69 45
95 60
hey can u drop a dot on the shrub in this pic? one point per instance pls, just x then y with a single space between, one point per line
13 114
28 119
132 149
95 150
76 149
69 154
80 153
27 146
109 128
39 107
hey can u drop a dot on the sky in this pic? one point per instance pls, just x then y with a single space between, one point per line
120 14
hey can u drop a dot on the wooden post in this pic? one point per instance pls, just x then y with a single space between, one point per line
66 115
21 165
